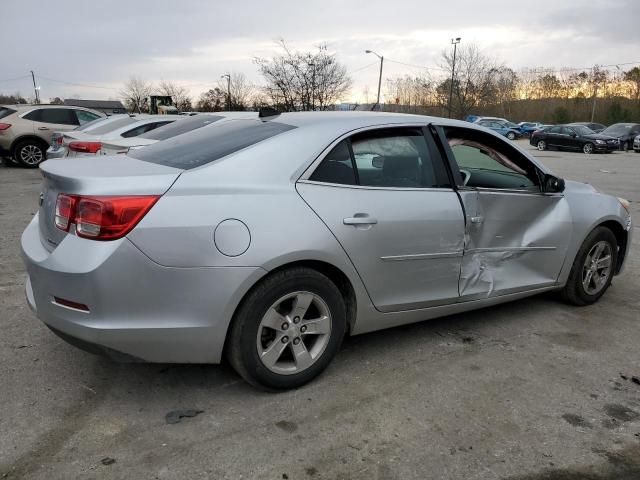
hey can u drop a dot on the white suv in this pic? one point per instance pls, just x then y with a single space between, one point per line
26 130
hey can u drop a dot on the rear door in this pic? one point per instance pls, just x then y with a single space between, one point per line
516 236
49 120
387 198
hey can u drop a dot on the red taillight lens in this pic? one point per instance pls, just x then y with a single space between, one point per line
85 147
65 207
4 126
59 140
105 217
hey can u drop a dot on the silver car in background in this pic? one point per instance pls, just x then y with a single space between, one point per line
268 240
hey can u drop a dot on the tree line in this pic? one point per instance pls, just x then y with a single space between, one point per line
481 84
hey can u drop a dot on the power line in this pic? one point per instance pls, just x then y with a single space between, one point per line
77 84
15 78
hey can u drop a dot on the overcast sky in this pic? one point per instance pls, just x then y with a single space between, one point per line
193 42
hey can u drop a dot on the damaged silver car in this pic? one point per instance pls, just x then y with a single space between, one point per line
268 240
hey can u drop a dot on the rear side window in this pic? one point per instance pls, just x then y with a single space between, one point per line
206 145
181 126
147 127
5 111
390 157
60 116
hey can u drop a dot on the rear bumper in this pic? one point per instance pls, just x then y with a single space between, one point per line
138 310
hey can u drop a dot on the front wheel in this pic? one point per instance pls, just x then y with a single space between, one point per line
287 330
593 268
588 148
511 136
541 145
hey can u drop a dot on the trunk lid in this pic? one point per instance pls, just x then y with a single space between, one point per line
112 175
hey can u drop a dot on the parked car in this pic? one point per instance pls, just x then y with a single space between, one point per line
58 147
636 144
183 125
573 137
26 130
85 144
624 132
527 128
595 127
506 128
270 239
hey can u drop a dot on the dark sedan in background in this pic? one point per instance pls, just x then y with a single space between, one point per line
624 132
573 137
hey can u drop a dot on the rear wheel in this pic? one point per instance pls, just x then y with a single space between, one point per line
593 268
29 153
588 148
287 330
542 145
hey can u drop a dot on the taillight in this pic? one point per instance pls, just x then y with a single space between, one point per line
4 126
85 147
59 140
65 207
102 217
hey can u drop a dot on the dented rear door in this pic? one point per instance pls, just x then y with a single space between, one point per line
515 241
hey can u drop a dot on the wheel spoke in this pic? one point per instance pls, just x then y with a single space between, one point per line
301 355
598 251
302 303
604 262
587 280
273 319
273 353
317 326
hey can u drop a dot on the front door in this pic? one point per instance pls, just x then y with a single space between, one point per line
385 195
516 235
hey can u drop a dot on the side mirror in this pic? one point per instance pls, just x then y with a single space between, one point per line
574 134
553 184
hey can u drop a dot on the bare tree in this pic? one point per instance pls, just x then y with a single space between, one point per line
304 80
135 92
241 91
180 95
213 100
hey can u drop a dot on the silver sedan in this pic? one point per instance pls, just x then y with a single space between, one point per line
268 240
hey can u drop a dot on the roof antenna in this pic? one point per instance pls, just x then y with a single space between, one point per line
267 112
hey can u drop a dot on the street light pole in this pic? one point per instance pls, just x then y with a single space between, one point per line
228 77
454 42
35 89
380 77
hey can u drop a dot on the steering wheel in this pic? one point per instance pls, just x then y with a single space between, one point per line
466 174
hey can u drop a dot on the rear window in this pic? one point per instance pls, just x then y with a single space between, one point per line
111 126
181 126
206 145
6 111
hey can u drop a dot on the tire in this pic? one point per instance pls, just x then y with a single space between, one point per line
625 146
511 136
274 300
541 145
588 148
574 292
30 153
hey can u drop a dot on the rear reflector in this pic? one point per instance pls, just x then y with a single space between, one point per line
4 126
102 217
71 304
85 147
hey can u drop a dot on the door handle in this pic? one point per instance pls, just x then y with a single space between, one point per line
360 219
43 128
476 219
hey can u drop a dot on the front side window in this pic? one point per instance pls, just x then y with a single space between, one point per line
487 162
390 157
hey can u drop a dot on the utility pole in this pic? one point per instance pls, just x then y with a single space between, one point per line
35 88
380 77
595 92
228 77
454 42
313 86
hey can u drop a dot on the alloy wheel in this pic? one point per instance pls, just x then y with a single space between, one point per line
597 268
31 154
293 333
542 145
587 148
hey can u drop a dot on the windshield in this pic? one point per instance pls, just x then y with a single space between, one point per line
511 125
181 126
582 130
618 129
206 145
110 126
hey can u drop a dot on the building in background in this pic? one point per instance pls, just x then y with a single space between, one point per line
109 107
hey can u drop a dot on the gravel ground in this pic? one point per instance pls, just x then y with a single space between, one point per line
531 390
